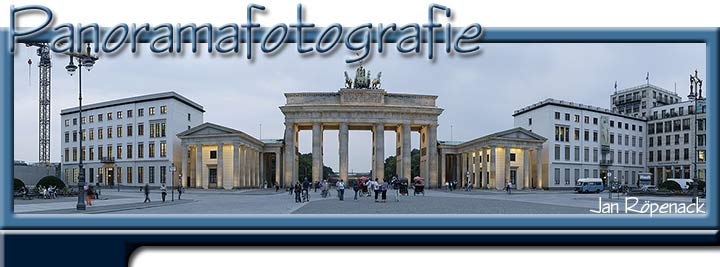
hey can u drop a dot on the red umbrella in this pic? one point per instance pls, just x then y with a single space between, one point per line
418 178
364 178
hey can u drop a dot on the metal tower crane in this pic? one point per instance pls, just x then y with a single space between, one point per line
44 98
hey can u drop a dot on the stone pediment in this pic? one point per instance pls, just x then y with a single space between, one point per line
208 129
519 134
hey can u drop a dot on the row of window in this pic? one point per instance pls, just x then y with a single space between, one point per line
673 126
118 115
157 129
108 176
631 157
562 134
670 172
118 152
586 120
674 156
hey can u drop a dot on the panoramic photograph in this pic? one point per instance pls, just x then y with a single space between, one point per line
528 128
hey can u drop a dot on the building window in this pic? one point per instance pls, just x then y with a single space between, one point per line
140 174
557 152
667 140
92 153
141 112
701 156
100 133
67 122
189 119
577 153
162 129
595 155
163 151
213 154
557 115
529 119
100 117
686 138
659 155
562 133
100 152
119 131
640 141
576 134
129 113
577 175
595 173
163 109
577 118
567 176
567 116
151 111
619 125
151 150
141 151
586 155
595 120
151 174
667 155
701 140
677 154
595 136
152 130
163 174
109 116
74 153
567 153
619 139
129 130
129 179
677 139
612 123
109 132
650 156
119 115
74 136
82 120
557 176
74 121
119 151
586 136
141 129
650 142
67 154
640 159
92 133
640 128
586 120
619 156
67 137
659 141
129 151
612 138
82 153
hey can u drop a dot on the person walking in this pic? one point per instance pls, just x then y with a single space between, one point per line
508 187
297 190
373 184
341 189
163 191
356 188
306 190
180 190
146 190
395 183
89 194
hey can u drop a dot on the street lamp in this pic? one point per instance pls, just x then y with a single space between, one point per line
172 183
88 61
695 82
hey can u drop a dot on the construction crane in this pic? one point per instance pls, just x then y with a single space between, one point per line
43 51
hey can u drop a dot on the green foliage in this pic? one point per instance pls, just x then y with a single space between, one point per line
50 180
671 185
305 168
414 163
17 184
390 167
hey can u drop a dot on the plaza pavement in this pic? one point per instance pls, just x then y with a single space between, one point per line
256 201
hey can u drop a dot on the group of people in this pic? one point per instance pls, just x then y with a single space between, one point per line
360 188
163 192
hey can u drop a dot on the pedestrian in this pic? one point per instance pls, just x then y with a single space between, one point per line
306 190
356 188
277 187
180 190
383 191
97 190
508 187
395 183
146 190
90 195
163 191
341 189
297 190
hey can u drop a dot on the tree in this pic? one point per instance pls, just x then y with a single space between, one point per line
305 168
390 167
414 163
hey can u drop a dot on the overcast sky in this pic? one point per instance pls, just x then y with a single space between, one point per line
479 93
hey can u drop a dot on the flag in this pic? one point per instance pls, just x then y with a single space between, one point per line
647 77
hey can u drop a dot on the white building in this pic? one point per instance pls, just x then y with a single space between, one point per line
639 100
585 142
128 141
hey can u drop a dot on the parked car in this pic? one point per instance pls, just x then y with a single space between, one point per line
587 185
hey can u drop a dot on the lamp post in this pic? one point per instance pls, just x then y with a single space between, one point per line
172 183
87 61
695 83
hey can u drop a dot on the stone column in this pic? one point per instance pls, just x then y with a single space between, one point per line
241 166
526 170
343 135
248 167
432 154
379 151
220 168
263 179
258 168
199 179
507 166
477 180
184 168
458 166
405 151
236 165
289 154
277 167
463 167
317 162
493 169
485 171
443 168
539 172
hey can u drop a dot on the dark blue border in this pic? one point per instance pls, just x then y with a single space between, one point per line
492 35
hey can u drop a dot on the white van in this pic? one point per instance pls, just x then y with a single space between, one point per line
586 185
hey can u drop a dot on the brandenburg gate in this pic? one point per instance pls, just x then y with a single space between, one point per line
361 105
